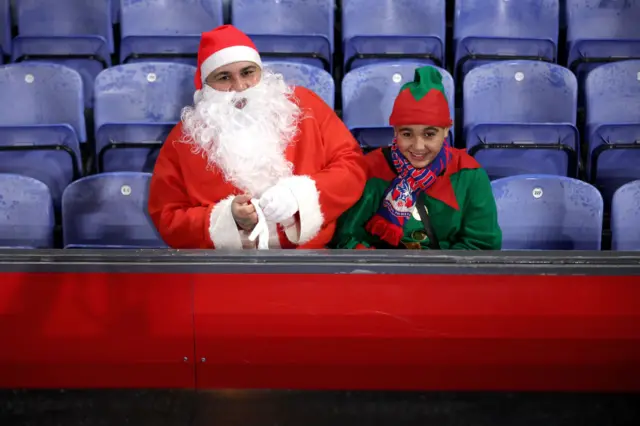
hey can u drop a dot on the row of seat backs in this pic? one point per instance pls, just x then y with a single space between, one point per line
536 212
411 27
504 92
509 102
108 210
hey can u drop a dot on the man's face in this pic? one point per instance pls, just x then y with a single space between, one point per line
419 143
235 77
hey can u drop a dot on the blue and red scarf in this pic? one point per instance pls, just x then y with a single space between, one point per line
400 198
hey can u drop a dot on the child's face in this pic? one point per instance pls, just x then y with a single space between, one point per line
419 143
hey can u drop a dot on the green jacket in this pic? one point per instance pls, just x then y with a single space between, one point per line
460 204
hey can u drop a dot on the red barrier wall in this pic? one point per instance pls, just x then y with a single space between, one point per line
96 330
358 331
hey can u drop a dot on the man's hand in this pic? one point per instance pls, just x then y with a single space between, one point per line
244 213
278 203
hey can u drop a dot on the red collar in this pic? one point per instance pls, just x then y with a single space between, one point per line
378 167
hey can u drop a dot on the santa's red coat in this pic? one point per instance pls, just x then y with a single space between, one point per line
190 203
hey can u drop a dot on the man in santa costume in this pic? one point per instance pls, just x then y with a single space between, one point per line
252 150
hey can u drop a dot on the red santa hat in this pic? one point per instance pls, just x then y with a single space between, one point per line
222 46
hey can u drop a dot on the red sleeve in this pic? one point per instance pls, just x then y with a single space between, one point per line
325 195
181 224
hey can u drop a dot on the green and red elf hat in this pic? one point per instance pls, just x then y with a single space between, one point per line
422 101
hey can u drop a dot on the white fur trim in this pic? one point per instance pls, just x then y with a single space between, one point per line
311 218
223 230
226 56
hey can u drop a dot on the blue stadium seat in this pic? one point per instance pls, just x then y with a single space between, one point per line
383 30
520 118
296 30
75 33
167 30
543 212
42 123
136 107
5 29
313 78
612 101
600 31
625 217
485 31
26 212
115 11
368 93
108 210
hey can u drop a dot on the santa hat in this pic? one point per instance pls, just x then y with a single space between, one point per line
222 46
422 101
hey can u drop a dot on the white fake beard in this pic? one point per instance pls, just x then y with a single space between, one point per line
247 144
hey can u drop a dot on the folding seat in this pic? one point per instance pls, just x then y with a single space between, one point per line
612 101
301 31
75 33
520 118
5 29
309 76
42 123
27 213
136 107
368 94
115 11
384 30
108 210
485 31
544 212
166 30
625 217
600 31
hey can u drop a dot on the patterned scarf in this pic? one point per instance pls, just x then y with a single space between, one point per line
400 198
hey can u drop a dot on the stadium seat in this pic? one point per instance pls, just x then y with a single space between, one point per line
313 78
136 107
625 217
166 30
368 93
383 30
5 29
520 118
600 31
75 33
108 210
42 123
612 101
301 31
485 31
26 209
115 11
543 212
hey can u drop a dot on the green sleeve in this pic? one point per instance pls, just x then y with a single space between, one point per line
350 230
480 229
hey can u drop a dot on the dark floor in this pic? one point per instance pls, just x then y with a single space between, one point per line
266 408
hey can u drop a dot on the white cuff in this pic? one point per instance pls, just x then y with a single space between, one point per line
223 230
311 218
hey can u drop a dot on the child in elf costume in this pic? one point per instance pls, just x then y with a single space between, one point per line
421 192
